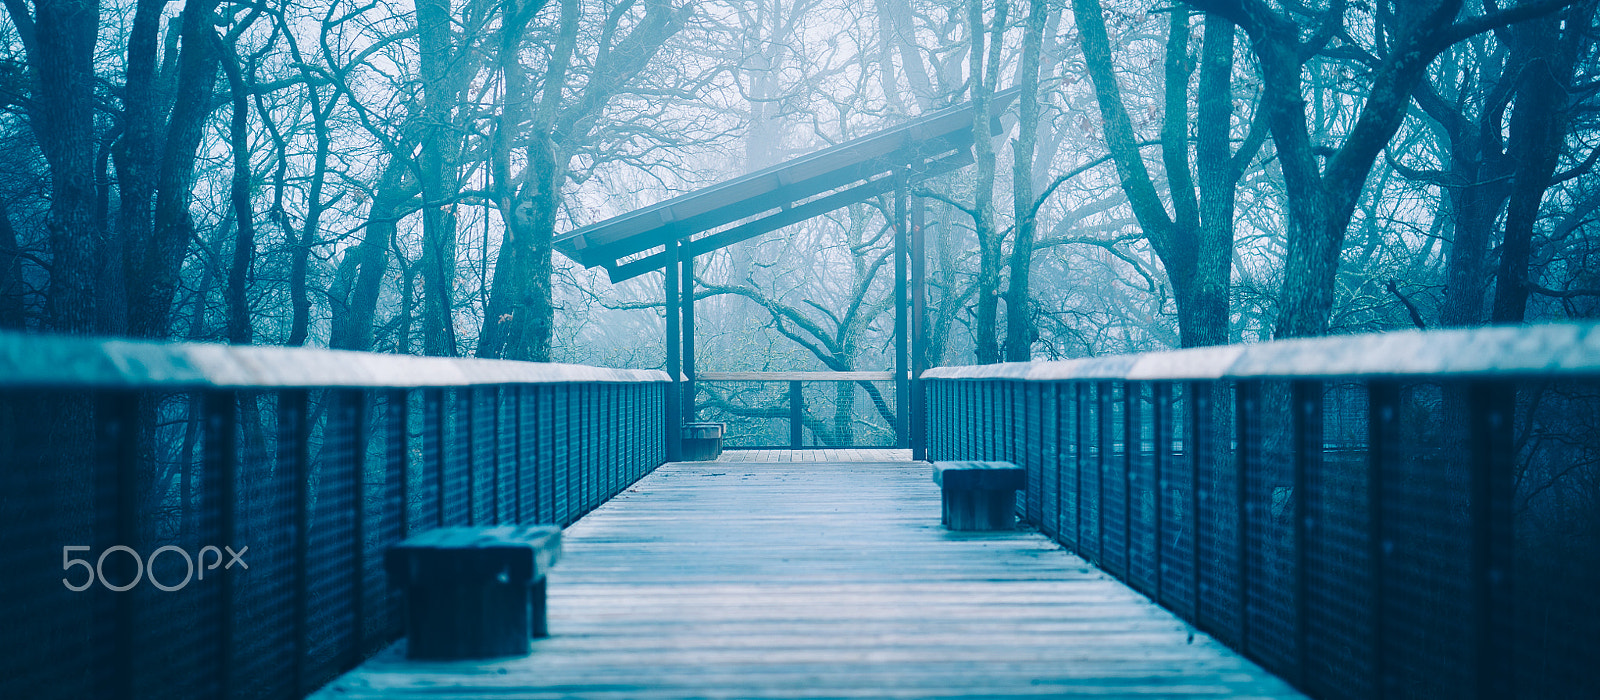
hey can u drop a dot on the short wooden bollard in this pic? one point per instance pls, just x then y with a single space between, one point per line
474 592
979 495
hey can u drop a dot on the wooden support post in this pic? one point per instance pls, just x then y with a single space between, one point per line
119 444
797 411
674 344
221 458
1383 454
902 366
688 336
919 331
1306 398
1248 433
1491 408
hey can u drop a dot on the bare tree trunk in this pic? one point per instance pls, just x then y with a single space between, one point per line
137 153
11 288
60 45
519 317
1322 199
438 176
361 272
1550 47
982 79
153 270
1474 206
244 240
1019 321
299 299
1195 240
1218 169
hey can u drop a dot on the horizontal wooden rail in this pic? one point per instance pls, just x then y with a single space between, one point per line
795 376
104 363
1508 351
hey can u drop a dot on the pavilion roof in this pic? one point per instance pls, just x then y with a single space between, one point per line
734 210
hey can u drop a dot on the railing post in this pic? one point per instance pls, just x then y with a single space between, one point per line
397 478
397 456
1079 456
1102 430
902 365
1161 439
518 463
1034 457
119 444
1130 406
674 346
1491 406
1383 431
221 456
1196 444
1308 439
687 300
1058 437
1247 427
433 434
919 332
797 409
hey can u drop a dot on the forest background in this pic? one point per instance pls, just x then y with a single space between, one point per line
388 176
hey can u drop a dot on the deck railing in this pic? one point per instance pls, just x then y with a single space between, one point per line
139 480
1406 515
858 409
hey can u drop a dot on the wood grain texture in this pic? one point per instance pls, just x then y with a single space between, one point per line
840 454
795 376
824 579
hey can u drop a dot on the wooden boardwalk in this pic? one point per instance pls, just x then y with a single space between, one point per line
841 454
733 579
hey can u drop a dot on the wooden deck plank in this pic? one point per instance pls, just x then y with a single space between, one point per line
791 579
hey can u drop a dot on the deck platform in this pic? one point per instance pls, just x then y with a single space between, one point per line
813 579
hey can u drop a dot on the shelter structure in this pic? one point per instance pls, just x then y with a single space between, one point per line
669 236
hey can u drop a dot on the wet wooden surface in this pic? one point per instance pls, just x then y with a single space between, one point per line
824 579
841 454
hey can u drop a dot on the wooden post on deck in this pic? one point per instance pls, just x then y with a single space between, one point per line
674 344
688 336
902 366
919 331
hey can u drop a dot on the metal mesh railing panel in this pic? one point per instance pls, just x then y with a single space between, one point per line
329 557
1557 541
263 599
1427 629
1143 535
1113 478
308 487
1360 538
1032 451
1268 522
1050 470
1339 568
173 647
1179 502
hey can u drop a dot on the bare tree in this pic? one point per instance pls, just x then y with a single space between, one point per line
1322 198
518 316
